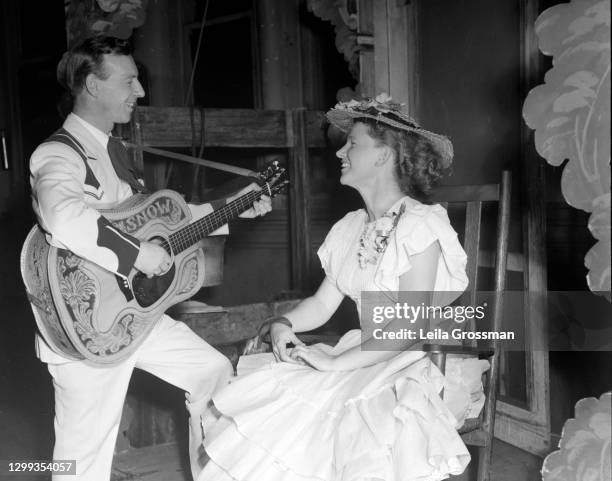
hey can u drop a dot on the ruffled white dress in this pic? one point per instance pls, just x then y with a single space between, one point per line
286 422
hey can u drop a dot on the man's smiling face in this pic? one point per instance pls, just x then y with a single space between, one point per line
119 91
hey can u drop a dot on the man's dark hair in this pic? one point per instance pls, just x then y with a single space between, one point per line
84 58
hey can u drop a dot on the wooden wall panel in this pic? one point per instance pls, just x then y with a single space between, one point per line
245 128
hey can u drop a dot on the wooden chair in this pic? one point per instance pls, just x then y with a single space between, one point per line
469 199
479 431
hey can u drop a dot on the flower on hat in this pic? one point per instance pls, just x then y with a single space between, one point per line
383 97
382 103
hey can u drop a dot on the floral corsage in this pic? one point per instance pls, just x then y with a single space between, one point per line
375 237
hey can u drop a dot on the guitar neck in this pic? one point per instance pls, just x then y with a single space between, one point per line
194 232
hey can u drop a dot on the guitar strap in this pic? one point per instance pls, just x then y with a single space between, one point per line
64 137
117 153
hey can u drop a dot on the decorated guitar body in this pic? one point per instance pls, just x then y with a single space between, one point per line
86 312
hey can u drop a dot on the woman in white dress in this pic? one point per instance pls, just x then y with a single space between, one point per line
358 411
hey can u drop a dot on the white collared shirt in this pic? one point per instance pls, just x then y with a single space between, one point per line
96 132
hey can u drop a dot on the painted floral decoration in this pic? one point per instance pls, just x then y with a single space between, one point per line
570 113
117 18
375 237
344 19
584 449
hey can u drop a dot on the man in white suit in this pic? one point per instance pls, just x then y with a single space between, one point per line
72 177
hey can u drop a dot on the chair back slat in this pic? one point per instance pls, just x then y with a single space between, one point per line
472 198
471 245
465 193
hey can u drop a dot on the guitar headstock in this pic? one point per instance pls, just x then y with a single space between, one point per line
273 179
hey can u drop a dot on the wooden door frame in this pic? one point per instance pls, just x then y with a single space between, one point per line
388 35
9 20
530 428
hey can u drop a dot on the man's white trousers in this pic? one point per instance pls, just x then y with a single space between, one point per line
89 398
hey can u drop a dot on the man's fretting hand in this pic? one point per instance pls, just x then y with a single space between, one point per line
260 207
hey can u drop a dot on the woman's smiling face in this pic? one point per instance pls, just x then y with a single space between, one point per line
358 156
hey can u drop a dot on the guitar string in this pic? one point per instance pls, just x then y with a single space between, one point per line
218 218
193 232
185 237
186 233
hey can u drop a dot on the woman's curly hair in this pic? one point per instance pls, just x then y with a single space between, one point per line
418 165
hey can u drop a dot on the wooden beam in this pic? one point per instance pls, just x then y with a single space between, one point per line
12 115
365 38
382 81
299 200
246 128
395 56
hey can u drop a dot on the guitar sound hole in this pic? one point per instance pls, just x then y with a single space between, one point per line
148 291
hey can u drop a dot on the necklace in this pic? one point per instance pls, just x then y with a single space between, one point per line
375 237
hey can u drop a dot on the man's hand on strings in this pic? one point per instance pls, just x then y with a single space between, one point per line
152 259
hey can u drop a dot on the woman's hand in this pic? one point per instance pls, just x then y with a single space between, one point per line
314 358
280 336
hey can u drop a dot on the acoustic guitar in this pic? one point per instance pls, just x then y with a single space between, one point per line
86 312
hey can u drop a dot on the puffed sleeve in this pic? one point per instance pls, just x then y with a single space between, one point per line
333 250
57 177
420 226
